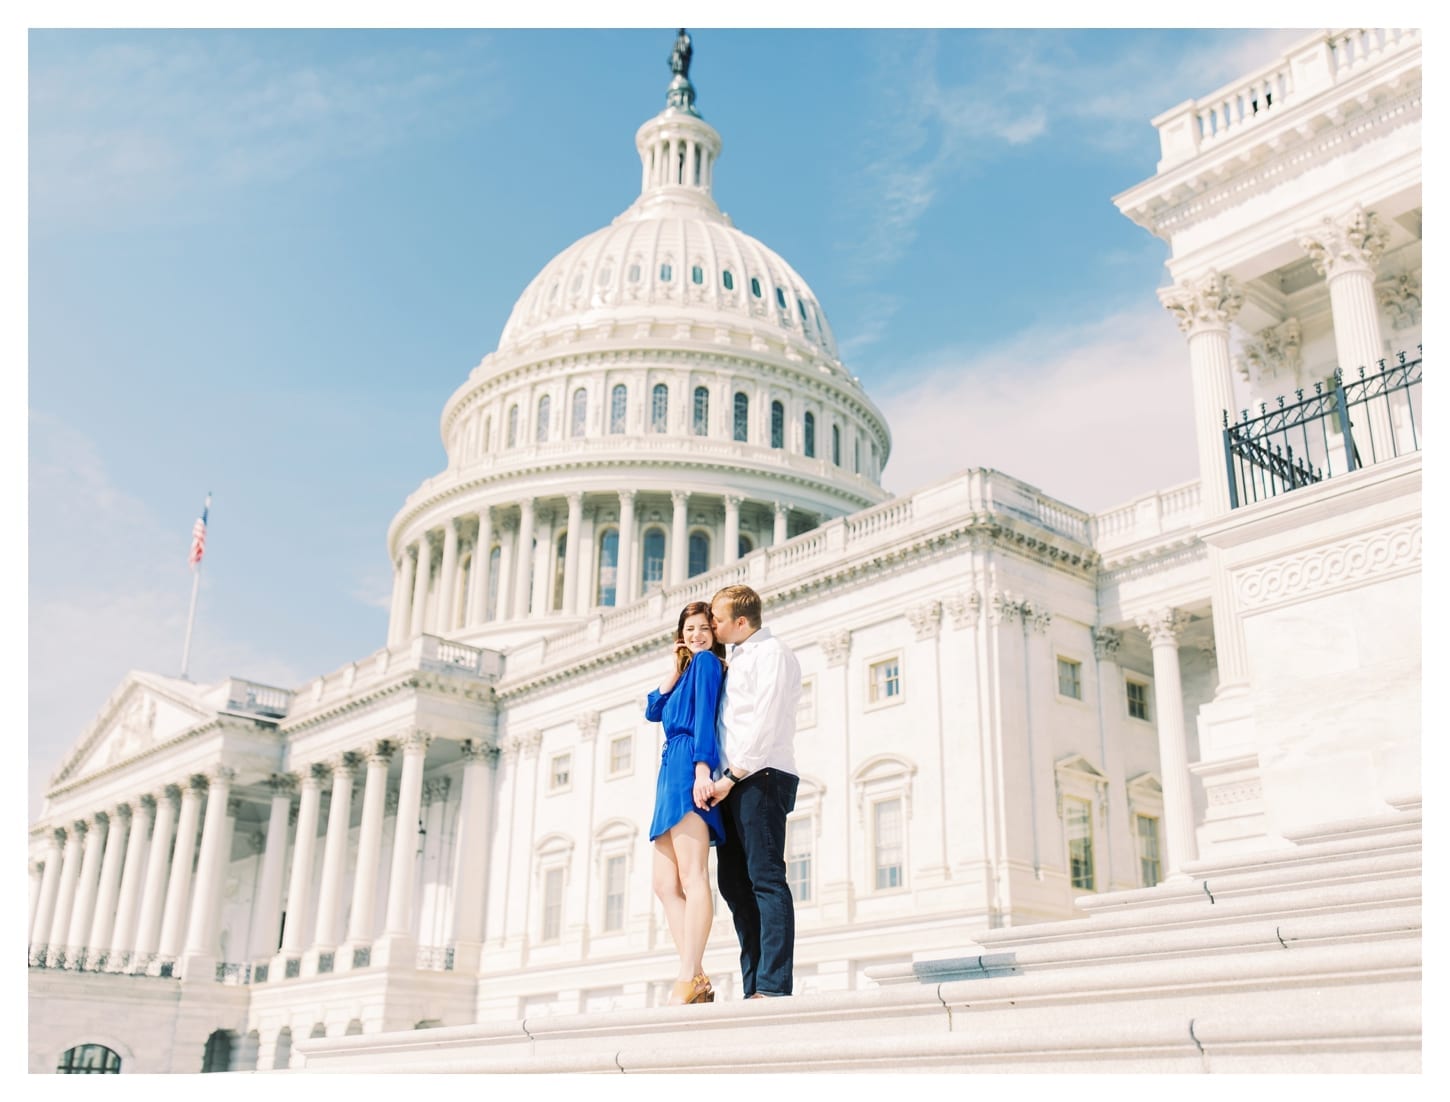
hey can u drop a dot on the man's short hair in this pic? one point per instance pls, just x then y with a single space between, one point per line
744 601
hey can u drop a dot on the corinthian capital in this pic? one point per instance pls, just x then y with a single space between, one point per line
1353 242
1198 305
925 619
1272 355
837 646
1163 625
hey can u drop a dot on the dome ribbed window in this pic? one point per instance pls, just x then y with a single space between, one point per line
659 411
777 425
579 414
742 416
618 408
810 441
702 411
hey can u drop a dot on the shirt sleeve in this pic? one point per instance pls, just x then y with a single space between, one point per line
705 708
773 718
655 709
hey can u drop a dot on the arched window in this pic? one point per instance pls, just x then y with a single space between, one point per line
218 1053
777 425
618 407
561 550
702 411
727 277
697 274
487 441
699 553
541 429
579 412
652 566
634 273
659 408
608 565
810 426
755 286
282 1051
513 425
836 444
494 555
780 298
742 416
89 1060
667 273
744 546
856 444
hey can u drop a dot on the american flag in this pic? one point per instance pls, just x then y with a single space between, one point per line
198 536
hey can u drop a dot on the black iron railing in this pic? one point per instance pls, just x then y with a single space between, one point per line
1342 426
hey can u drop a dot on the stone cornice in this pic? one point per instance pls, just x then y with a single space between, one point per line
438 682
975 530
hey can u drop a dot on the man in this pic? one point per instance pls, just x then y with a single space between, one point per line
757 790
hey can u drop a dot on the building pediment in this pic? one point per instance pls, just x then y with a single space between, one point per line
145 711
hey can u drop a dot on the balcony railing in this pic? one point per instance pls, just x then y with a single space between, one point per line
1339 428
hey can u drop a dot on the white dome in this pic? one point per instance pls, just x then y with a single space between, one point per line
680 254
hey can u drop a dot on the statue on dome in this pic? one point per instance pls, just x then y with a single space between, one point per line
681 54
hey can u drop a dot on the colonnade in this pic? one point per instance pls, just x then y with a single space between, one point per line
129 889
540 556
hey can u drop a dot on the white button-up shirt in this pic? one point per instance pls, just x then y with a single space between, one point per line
757 716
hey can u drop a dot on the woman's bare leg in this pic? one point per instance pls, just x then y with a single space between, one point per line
691 838
666 877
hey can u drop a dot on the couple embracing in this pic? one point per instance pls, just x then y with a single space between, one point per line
728 779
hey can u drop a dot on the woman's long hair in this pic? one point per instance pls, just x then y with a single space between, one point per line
717 649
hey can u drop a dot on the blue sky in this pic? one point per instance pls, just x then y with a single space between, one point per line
260 261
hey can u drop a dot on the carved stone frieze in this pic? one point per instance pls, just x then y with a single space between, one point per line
1272 356
925 619
1327 568
1352 242
1400 296
1198 305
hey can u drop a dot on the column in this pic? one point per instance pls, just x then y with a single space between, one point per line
294 929
505 570
37 875
443 619
45 906
178 887
267 909
470 869
1163 626
679 537
397 944
782 525
732 527
572 535
541 588
84 907
482 546
334 857
70 871
1203 309
395 606
369 845
421 569
524 558
158 865
138 840
1346 251
624 585
103 921
199 955
400 626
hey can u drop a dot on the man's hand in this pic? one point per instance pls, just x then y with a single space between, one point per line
722 789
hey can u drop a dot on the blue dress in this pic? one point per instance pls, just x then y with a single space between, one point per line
688 711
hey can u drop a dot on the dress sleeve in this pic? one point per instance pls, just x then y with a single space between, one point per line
655 709
705 708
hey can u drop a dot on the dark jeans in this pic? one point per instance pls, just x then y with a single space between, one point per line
751 866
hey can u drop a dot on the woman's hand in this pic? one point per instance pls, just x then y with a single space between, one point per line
674 675
704 790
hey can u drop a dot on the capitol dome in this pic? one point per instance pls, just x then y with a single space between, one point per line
665 398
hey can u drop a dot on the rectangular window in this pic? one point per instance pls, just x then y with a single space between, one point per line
559 769
1077 817
798 835
885 680
805 712
888 828
621 755
1069 678
1149 867
614 893
1137 700
553 918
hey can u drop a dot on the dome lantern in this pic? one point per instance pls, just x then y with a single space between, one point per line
677 148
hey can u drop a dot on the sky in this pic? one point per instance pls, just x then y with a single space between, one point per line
258 262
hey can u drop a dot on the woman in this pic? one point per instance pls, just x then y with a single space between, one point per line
685 826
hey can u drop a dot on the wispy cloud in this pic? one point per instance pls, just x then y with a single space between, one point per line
156 120
108 599
1108 414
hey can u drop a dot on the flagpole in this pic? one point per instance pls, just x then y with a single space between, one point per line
190 620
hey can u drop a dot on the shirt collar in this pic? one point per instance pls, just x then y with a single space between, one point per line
759 634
